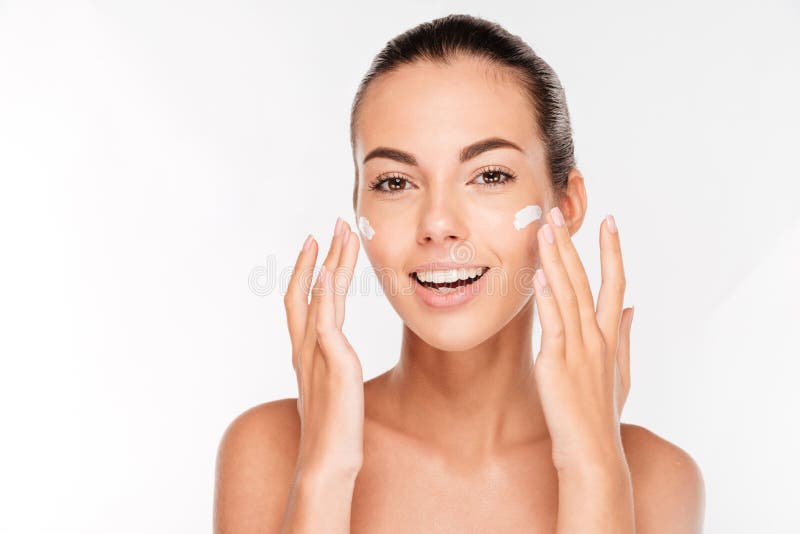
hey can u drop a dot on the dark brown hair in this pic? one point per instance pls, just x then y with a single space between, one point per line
445 38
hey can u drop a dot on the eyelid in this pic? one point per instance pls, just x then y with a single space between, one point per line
376 184
510 175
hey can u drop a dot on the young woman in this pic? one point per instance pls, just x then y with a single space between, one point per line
465 187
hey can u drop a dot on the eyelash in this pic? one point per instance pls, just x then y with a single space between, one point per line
508 178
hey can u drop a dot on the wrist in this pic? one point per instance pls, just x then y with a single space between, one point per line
602 484
596 496
611 464
325 488
327 474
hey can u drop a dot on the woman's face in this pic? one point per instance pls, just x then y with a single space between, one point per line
432 200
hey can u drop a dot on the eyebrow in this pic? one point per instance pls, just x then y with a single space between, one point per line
467 153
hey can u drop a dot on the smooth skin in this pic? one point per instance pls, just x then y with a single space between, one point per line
464 434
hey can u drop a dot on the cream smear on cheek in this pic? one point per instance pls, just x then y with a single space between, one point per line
365 228
526 216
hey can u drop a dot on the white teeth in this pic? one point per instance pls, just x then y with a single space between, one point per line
444 289
449 276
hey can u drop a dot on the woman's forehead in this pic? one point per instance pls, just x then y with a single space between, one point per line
425 104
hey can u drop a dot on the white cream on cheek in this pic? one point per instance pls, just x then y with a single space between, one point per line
365 228
527 215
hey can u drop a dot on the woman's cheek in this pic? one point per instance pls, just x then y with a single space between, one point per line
365 228
509 231
371 239
383 243
509 222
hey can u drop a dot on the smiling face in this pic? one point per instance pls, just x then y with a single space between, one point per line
447 155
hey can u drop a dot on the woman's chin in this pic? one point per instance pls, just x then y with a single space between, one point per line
465 329
451 334
450 342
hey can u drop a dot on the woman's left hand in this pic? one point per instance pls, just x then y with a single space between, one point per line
582 371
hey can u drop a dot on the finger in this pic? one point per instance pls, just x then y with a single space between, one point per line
330 262
344 273
575 272
296 298
560 286
296 303
624 347
612 290
332 259
553 335
307 359
338 270
329 336
622 379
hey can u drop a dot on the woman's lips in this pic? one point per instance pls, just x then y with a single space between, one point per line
454 297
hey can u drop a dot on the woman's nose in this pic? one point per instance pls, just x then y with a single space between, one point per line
440 220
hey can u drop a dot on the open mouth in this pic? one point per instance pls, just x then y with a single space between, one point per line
449 280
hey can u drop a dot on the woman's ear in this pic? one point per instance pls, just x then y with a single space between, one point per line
573 201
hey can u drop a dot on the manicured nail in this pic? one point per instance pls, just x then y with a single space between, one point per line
612 224
307 244
548 234
558 217
346 238
338 228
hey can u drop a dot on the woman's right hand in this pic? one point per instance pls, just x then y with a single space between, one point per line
329 375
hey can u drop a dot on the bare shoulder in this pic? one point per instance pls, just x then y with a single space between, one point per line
255 467
668 486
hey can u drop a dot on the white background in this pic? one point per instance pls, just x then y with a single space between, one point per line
154 154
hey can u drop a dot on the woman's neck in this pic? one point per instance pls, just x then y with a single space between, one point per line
472 403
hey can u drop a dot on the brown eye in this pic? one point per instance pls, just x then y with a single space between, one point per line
395 184
391 184
494 178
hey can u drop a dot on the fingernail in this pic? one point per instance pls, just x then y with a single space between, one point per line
322 272
338 227
612 224
558 217
346 238
548 234
307 244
